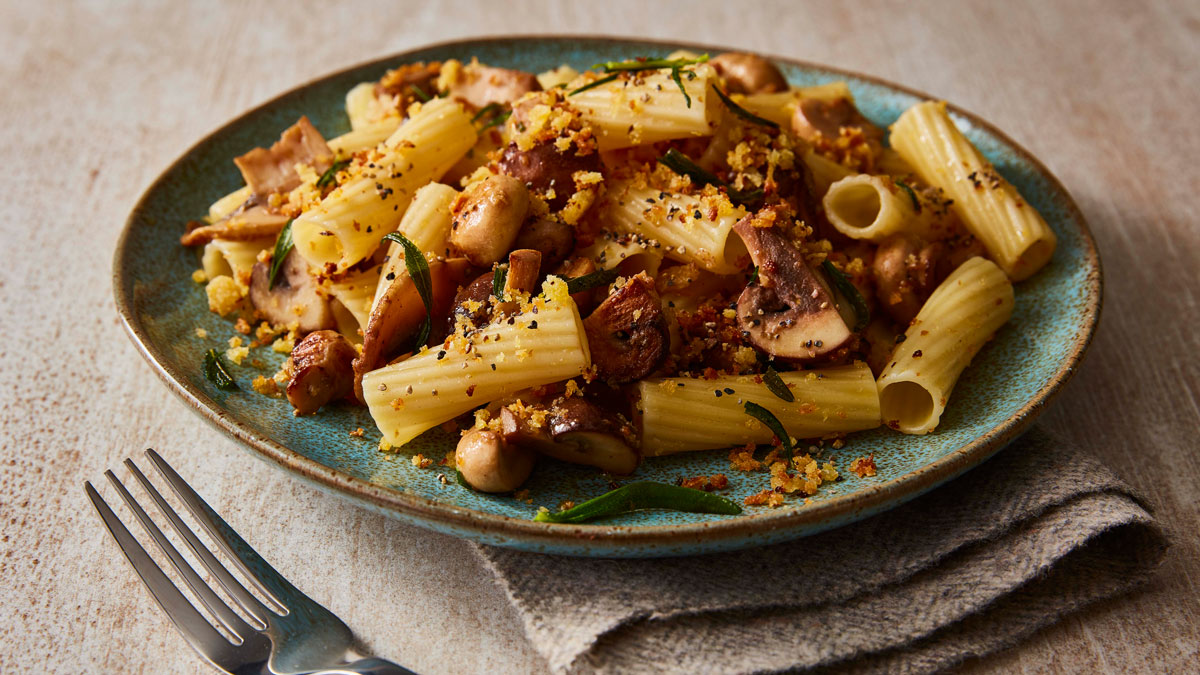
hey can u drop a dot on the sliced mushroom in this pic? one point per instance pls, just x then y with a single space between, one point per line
403 80
295 297
524 270
789 312
905 274
826 117
481 85
400 312
322 371
577 431
627 334
749 73
548 171
251 220
490 464
471 303
269 170
488 217
553 238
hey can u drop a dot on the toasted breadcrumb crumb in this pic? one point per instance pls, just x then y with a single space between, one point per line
742 459
568 504
224 296
201 333
421 461
717 481
199 276
357 433
764 498
864 467
266 386
522 496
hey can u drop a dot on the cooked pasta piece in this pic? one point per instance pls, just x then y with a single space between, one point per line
530 350
681 414
560 76
684 225
350 222
874 208
365 137
825 172
648 108
1011 230
229 203
962 314
356 292
361 105
426 223
609 251
233 258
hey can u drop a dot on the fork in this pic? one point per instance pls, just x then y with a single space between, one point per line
287 634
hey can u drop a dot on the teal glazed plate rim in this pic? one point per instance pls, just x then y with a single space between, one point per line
1009 383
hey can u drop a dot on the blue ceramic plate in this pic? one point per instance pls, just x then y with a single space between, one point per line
1009 383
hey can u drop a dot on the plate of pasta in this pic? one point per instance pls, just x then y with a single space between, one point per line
606 297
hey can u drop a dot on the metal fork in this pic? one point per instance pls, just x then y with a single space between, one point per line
291 634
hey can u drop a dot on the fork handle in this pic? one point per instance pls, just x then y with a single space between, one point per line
367 666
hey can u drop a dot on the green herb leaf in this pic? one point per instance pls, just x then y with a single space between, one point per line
768 418
742 112
589 281
643 495
847 290
684 166
420 93
462 480
777 385
499 276
679 82
217 372
595 83
496 121
283 246
753 276
649 64
330 174
418 270
911 195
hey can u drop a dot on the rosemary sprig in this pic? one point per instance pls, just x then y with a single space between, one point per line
634 65
768 418
684 166
418 271
283 246
595 83
330 174
742 112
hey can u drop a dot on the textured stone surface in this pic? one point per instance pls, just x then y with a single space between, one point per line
100 99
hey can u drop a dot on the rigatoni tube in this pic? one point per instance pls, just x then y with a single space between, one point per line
648 107
872 208
681 414
437 385
1012 231
426 224
959 317
349 223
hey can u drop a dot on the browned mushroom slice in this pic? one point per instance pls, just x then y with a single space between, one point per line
294 298
905 274
481 85
487 218
400 312
403 80
627 334
322 371
749 73
524 269
553 238
251 220
789 311
577 431
546 169
471 303
268 170
826 117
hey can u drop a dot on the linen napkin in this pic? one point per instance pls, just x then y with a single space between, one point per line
974 566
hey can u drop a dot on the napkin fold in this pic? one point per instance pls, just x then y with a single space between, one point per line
1038 531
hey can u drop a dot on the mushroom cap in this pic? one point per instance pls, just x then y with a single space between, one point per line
295 297
322 371
553 238
627 334
490 464
749 73
906 272
789 312
543 168
488 217
585 433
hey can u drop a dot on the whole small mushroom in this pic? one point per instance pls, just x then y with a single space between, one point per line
905 274
322 371
544 168
491 464
749 73
488 217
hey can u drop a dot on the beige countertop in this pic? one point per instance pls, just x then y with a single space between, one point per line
100 98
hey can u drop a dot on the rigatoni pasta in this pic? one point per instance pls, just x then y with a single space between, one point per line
1014 233
685 414
958 319
649 108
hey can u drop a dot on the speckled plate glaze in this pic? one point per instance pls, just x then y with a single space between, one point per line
1007 386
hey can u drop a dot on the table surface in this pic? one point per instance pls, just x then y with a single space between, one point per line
101 98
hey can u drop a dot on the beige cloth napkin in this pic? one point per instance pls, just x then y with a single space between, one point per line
976 565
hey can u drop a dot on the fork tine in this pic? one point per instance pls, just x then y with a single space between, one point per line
248 602
256 570
199 633
226 616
